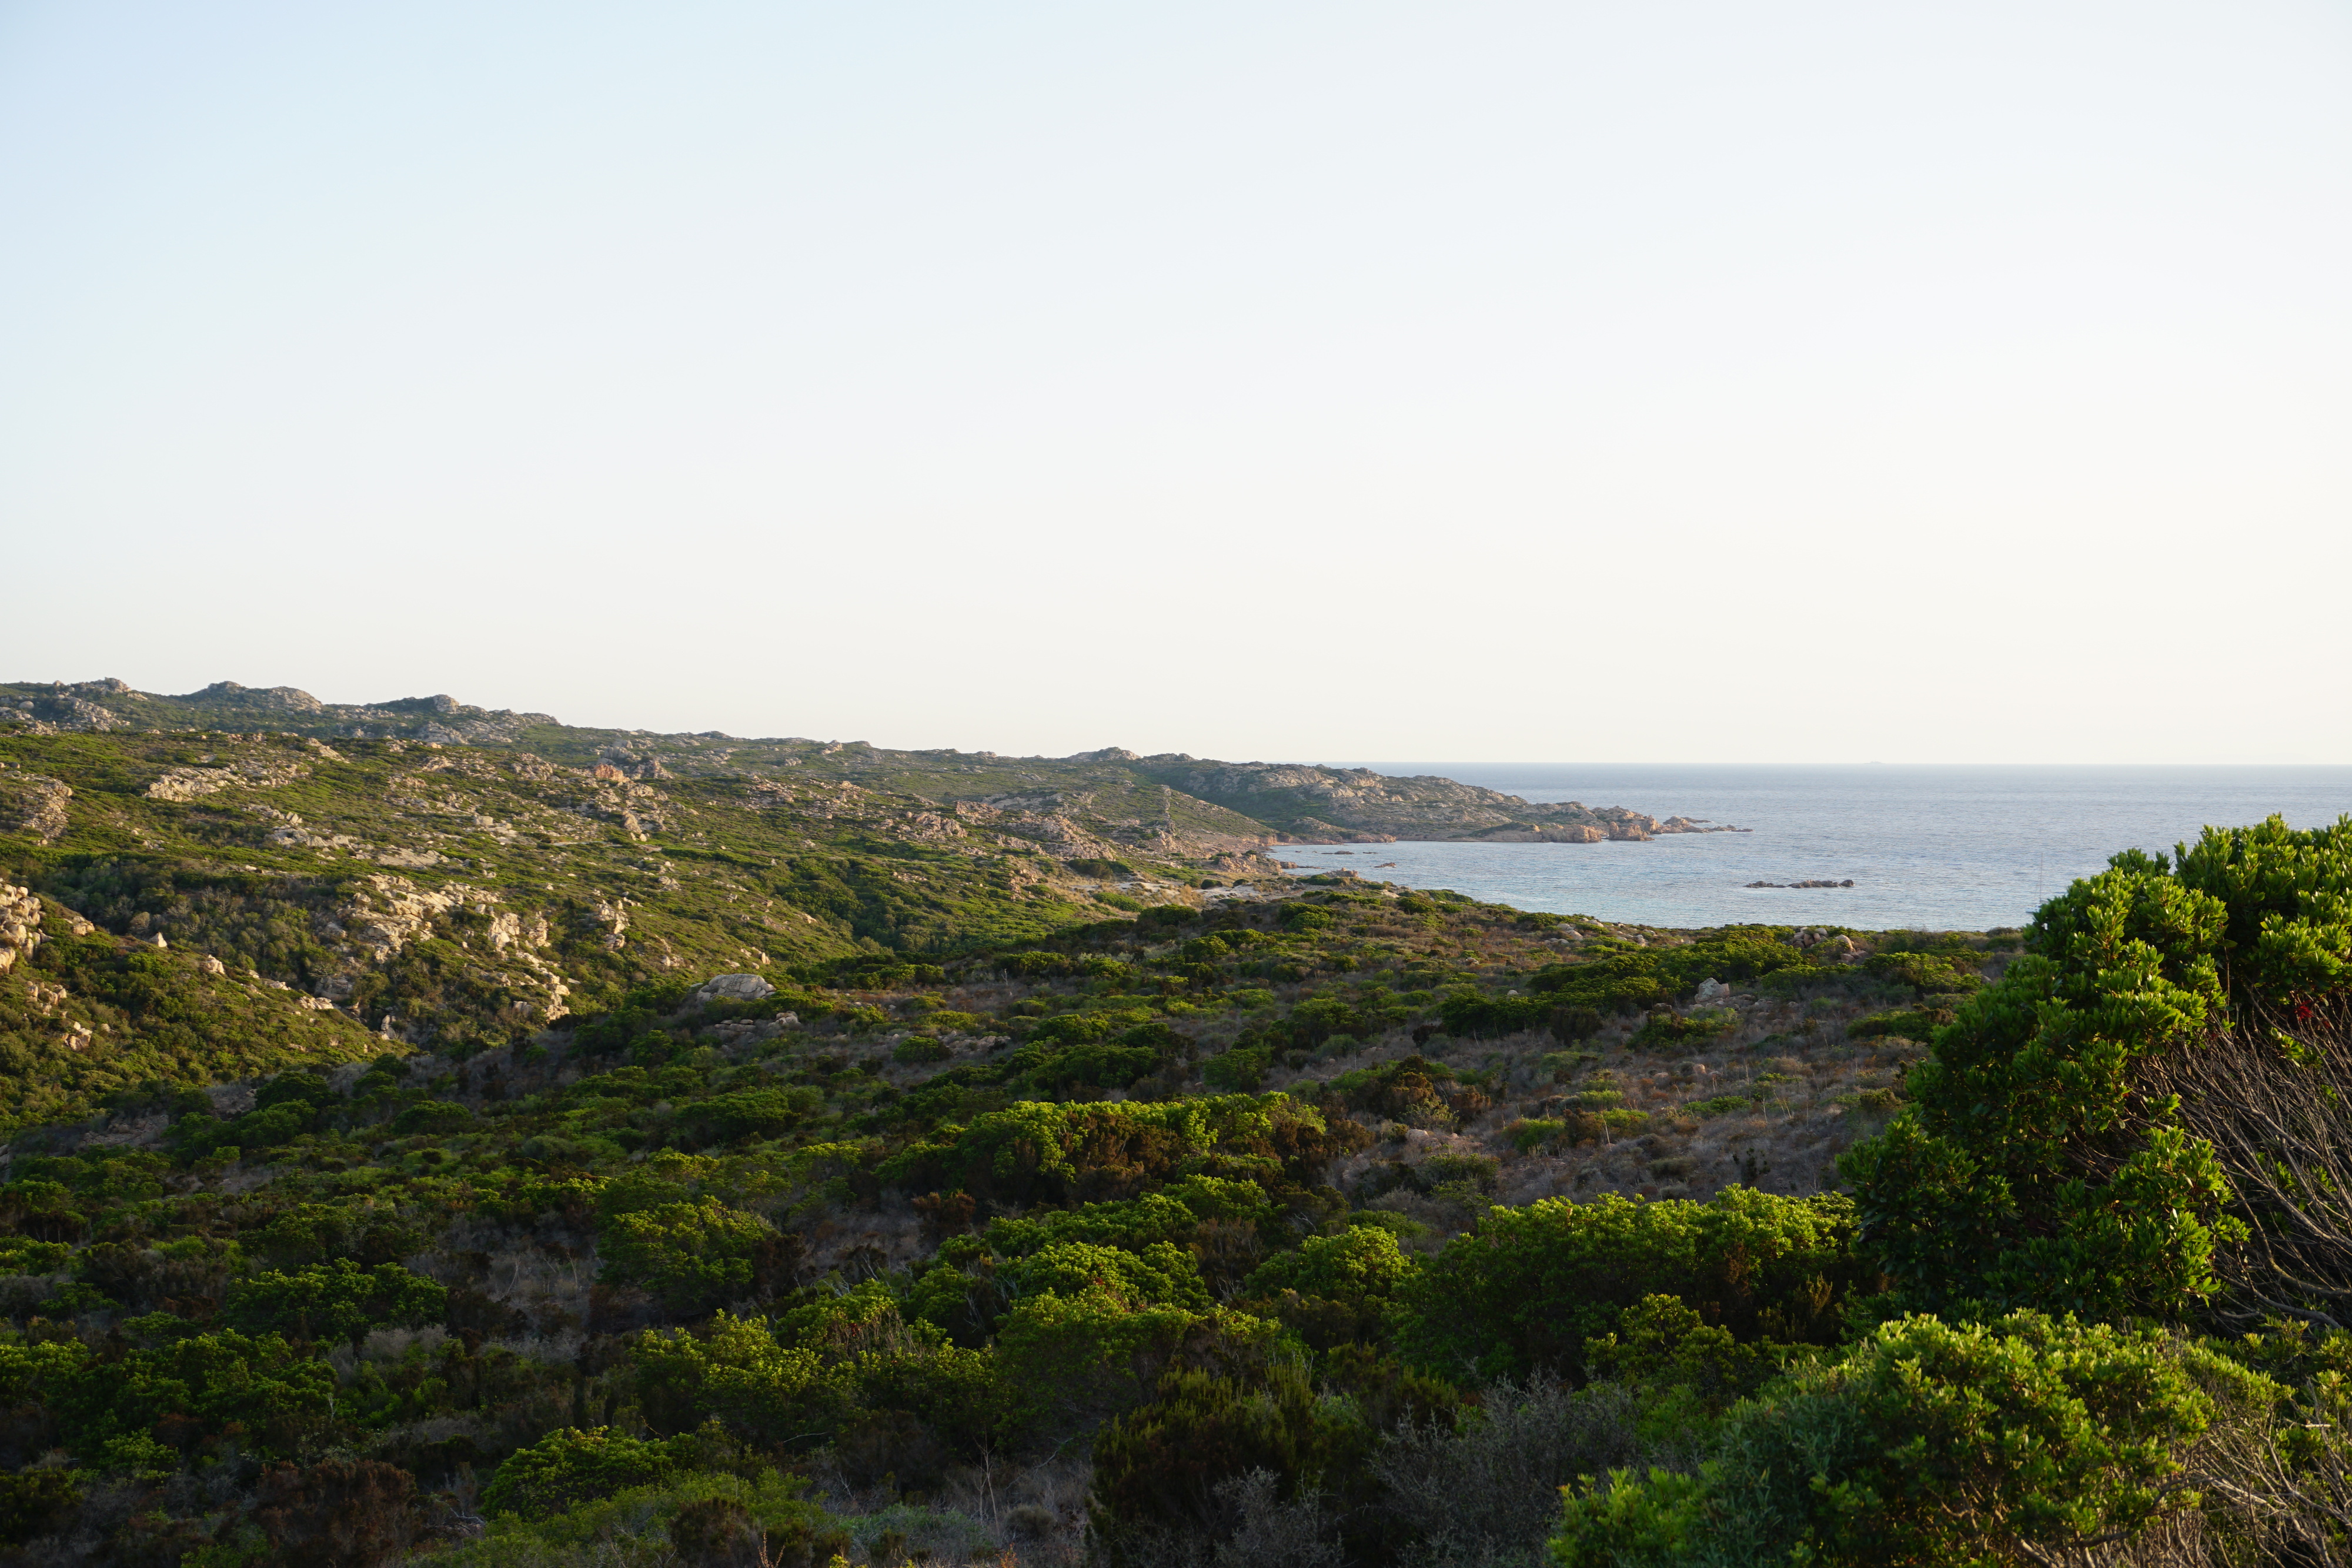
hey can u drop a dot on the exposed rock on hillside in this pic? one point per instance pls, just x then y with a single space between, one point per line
34 804
257 772
59 706
111 704
20 924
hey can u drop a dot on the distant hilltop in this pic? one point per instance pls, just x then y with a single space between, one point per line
110 704
1257 802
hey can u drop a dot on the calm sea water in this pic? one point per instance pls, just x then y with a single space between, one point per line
1948 848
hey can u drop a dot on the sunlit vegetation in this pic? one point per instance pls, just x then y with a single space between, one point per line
1338 1226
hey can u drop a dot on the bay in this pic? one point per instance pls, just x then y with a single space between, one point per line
1936 847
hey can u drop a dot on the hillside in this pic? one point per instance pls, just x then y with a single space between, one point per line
1171 803
457 895
1329 805
413 1138
551 1145
438 874
434 1298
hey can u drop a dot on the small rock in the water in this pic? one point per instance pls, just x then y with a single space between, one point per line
1817 882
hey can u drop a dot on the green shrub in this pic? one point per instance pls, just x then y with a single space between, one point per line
1178 1475
1573 1026
1476 1016
21 1255
743 1375
337 1301
1395 1224
711 1518
1928 973
752 1113
207 1382
1072 1361
916 1049
432 1116
1157 1273
1239 1070
1072 1029
301 1087
1533 1284
690 1254
1037 1153
1668 1028
1158 1471
1360 1265
568 1468
2028 1439
1530 1133
1645 976
1317 1019
1101 1065
2048 1157
1169 1214
1478 1172
36 1502
1686 1373
1916 1023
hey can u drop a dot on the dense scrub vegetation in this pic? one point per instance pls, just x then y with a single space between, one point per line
1347 1227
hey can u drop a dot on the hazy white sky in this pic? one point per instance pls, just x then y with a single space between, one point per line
1662 381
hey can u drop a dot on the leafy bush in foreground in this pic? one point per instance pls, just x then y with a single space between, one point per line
2051 1154
1935 1445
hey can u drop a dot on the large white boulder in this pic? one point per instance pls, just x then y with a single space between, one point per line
734 989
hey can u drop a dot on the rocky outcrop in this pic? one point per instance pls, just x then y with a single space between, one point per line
1332 805
263 772
1059 836
614 918
734 989
283 699
641 809
1550 833
385 914
34 804
20 924
21 913
226 705
71 707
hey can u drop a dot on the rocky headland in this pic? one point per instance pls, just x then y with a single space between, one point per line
1092 806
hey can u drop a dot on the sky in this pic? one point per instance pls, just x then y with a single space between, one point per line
1563 381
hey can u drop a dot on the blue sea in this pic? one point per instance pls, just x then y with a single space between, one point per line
1935 848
